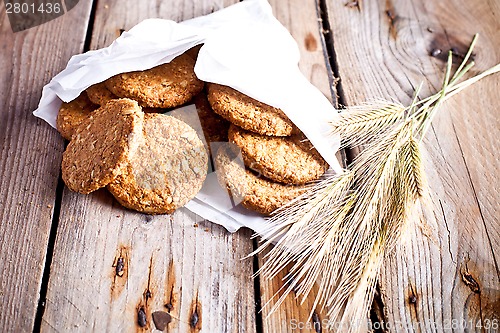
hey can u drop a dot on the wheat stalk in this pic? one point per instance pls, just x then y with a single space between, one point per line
360 123
338 232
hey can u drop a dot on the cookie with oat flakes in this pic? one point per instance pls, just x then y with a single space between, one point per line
71 114
99 94
166 171
248 113
99 149
253 191
164 86
290 160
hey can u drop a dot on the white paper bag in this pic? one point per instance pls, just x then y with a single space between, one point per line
245 47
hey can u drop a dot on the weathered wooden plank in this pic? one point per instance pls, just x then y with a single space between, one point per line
301 18
111 21
112 268
29 158
294 314
384 49
169 264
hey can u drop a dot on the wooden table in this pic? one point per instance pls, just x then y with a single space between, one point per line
60 251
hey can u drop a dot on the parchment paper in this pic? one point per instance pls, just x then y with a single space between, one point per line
245 47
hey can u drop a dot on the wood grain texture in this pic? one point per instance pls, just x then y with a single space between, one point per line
110 264
302 20
294 314
113 268
383 49
114 17
29 158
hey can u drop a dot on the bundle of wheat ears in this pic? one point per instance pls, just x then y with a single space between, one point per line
338 232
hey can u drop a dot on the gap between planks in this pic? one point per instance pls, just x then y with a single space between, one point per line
29 160
57 204
348 154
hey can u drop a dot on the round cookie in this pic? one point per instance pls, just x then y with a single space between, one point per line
166 171
99 149
164 86
247 112
290 160
72 114
99 94
255 193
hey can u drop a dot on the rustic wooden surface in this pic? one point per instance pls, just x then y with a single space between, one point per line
110 268
30 157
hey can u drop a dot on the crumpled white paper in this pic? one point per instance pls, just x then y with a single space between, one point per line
245 47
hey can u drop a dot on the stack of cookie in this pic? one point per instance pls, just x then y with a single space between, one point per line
278 158
121 139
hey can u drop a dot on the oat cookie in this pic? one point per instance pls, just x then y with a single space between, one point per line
72 114
99 149
164 86
99 94
255 193
290 160
247 112
166 171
